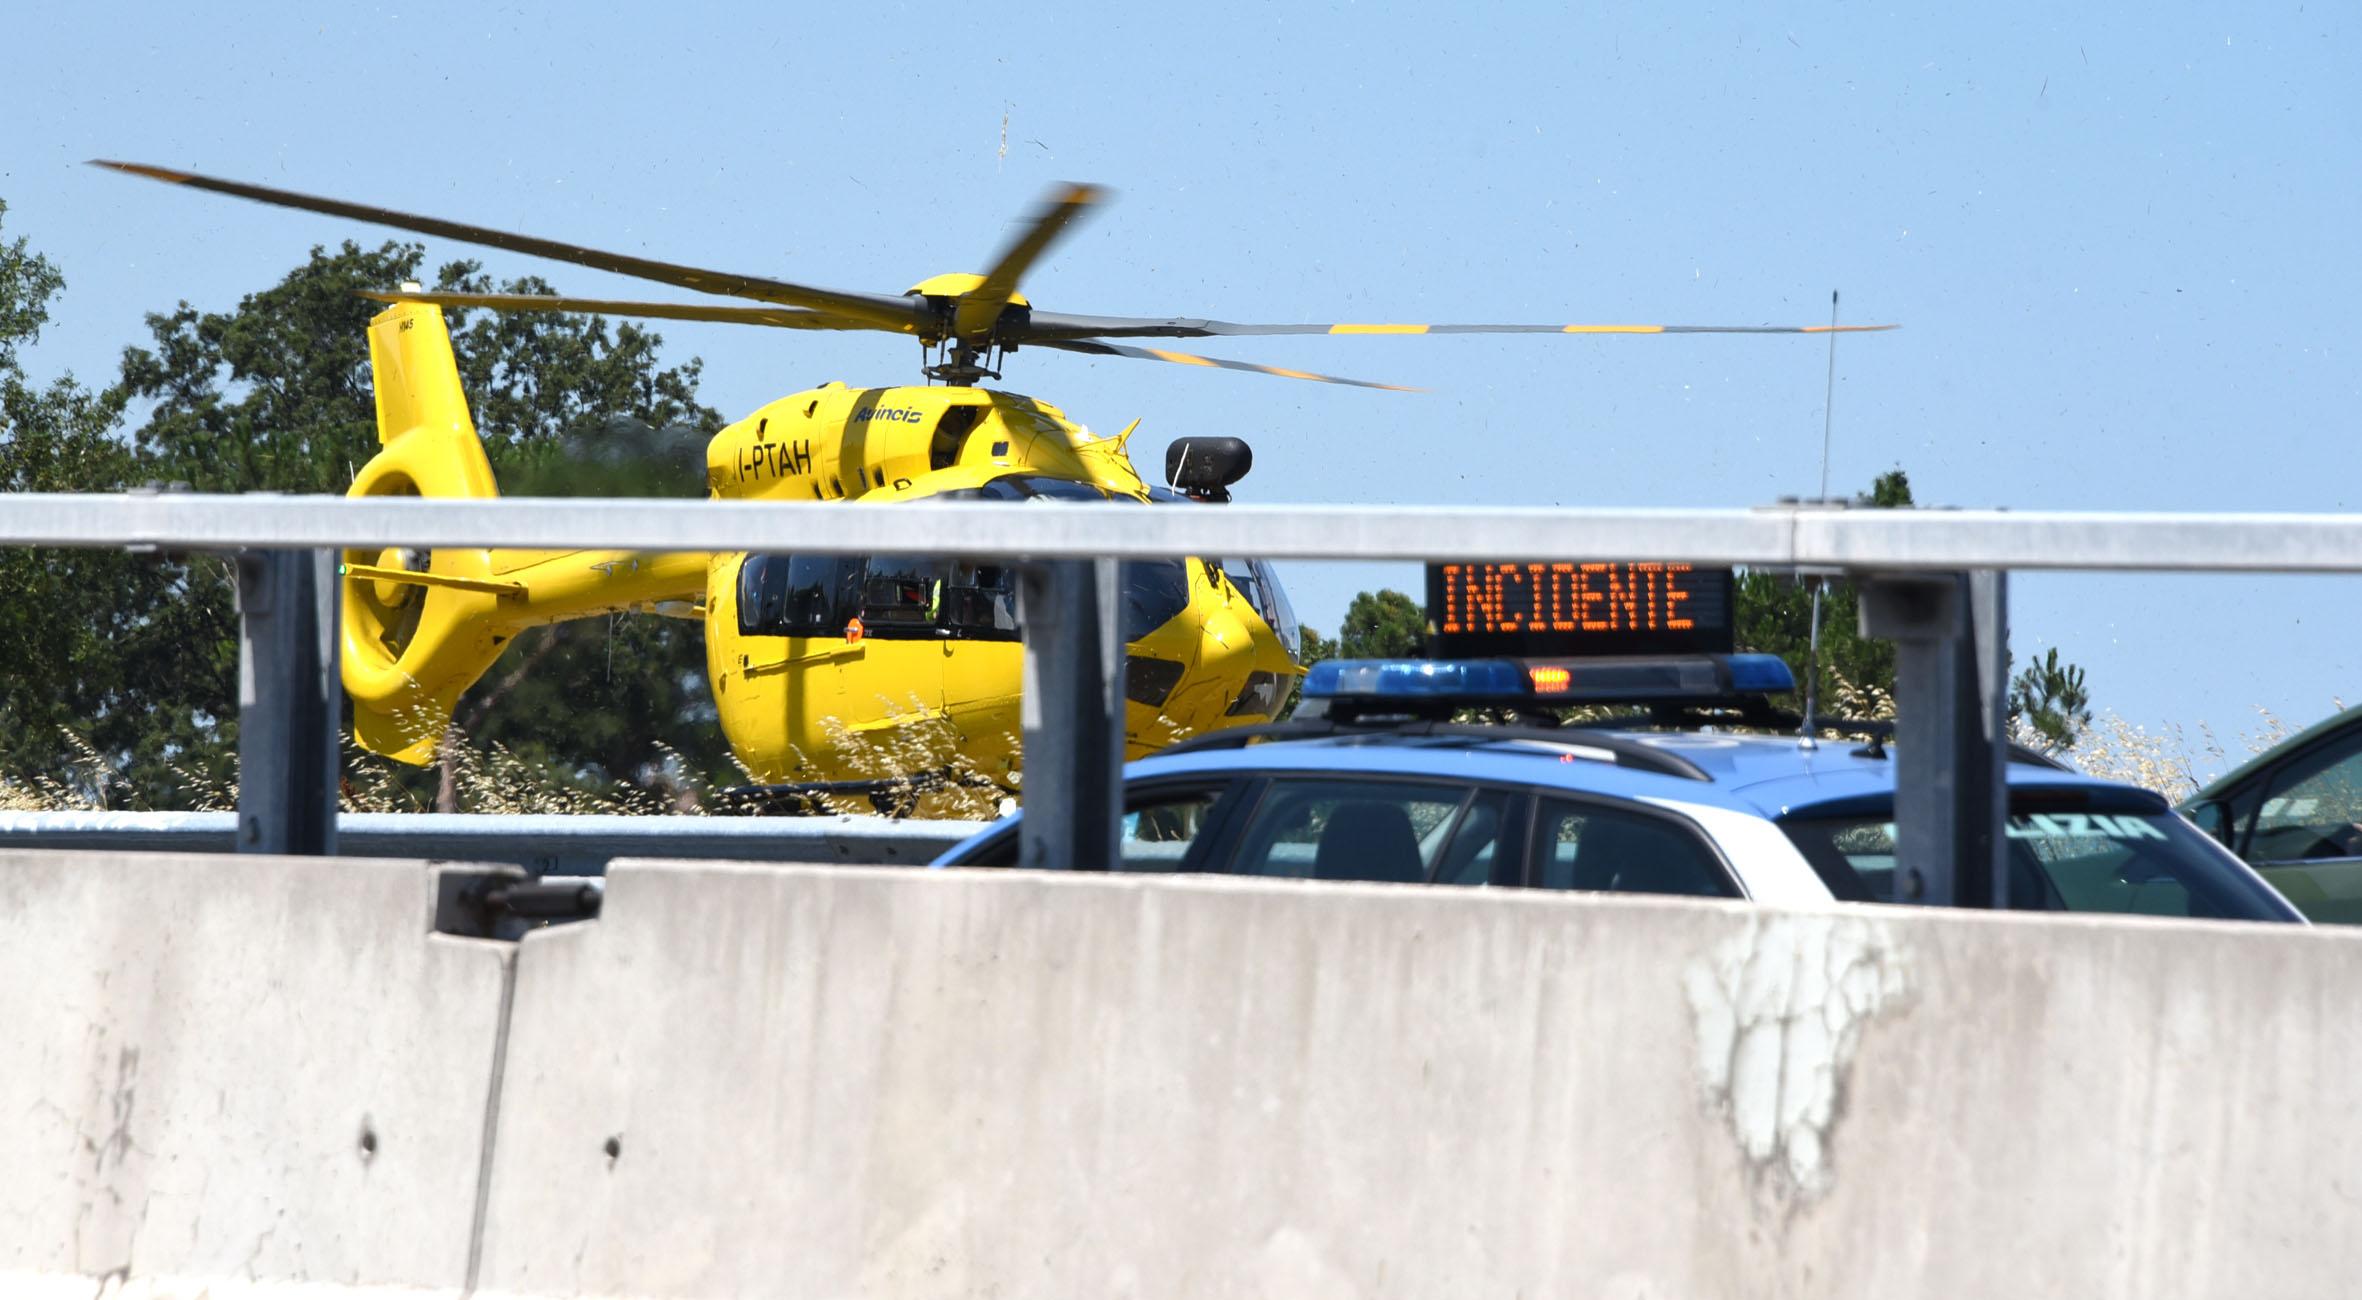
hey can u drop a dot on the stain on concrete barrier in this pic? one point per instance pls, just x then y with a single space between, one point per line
1779 1010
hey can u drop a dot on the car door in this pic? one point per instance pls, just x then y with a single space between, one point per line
2306 838
1375 829
1591 844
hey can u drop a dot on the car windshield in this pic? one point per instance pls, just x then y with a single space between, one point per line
2067 853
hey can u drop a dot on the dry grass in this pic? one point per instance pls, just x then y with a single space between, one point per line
927 765
924 769
1863 701
82 787
927 769
2169 761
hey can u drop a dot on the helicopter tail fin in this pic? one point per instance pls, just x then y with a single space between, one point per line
419 627
417 377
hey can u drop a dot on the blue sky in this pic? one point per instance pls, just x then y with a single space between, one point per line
2119 240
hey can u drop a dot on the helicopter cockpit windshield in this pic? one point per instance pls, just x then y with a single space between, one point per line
1260 585
1253 578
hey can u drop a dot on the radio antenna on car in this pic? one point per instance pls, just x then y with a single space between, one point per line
1812 651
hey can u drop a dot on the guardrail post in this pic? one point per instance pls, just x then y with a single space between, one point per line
1983 758
1951 661
288 703
1073 740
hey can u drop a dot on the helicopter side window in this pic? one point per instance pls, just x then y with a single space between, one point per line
951 435
893 596
762 590
980 602
817 595
901 592
797 595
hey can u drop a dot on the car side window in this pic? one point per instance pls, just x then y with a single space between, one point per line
1161 828
1474 855
1597 847
1384 831
2312 808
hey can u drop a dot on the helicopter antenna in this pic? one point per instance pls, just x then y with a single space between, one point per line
1812 653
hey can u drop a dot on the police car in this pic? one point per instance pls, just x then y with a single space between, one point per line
1374 781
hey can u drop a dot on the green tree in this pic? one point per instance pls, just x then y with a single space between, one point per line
1857 673
71 621
1378 625
2049 699
1311 648
1382 625
275 395
1773 615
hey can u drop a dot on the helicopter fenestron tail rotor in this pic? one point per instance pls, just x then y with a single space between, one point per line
966 322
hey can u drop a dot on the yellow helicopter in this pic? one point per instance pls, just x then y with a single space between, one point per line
829 671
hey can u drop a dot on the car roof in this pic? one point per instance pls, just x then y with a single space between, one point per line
1767 776
2305 739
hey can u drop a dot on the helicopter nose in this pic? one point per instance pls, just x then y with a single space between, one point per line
1225 637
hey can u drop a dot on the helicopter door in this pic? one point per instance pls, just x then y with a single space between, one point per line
794 657
983 663
901 682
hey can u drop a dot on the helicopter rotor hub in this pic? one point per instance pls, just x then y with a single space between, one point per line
961 364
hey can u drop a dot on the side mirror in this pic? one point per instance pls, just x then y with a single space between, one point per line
2214 818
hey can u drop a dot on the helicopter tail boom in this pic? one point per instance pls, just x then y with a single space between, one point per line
420 627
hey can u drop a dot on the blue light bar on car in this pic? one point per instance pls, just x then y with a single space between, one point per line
1667 679
1475 680
1760 674
1615 680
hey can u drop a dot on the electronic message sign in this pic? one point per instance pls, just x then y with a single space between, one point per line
1552 610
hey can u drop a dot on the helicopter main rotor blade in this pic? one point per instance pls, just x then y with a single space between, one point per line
981 306
896 314
794 318
1096 348
1047 326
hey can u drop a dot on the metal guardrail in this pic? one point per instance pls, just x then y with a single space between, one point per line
1934 582
1785 535
544 845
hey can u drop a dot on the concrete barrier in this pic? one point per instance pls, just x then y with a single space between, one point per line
237 1076
244 1076
826 1082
